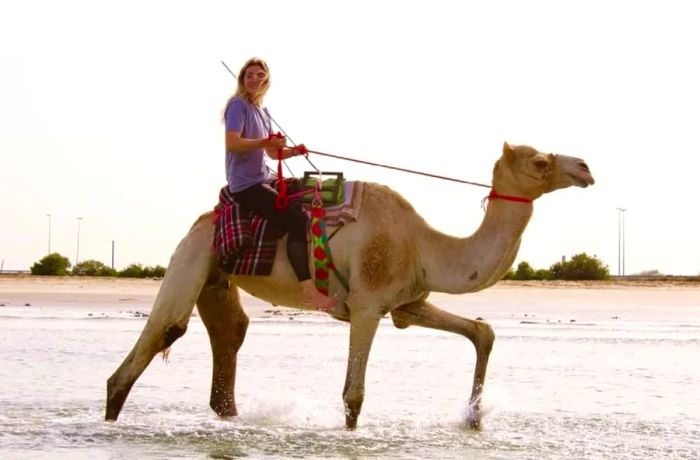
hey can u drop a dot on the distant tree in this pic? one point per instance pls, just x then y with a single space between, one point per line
650 273
132 271
154 272
580 267
542 274
139 271
524 272
52 265
93 268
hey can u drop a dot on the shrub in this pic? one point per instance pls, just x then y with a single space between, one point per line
93 268
580 267
524 272
543 274
154 272
132 271
139 271
52 265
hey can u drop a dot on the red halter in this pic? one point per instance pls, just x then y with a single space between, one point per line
494 195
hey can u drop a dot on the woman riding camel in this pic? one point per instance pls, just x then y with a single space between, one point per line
248 140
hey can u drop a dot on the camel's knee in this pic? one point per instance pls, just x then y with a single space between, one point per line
172 333
485 337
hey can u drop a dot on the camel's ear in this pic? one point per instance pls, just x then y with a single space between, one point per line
508 151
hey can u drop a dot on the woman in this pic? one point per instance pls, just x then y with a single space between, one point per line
247 142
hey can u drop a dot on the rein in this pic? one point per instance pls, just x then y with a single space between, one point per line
305 152
396 168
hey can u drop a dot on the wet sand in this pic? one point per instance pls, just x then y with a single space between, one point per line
107 292
27 290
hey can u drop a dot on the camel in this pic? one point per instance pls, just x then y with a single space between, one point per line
392 260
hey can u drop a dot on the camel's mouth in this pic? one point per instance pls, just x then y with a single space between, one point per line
582 182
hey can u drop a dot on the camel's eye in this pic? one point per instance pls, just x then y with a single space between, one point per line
541 163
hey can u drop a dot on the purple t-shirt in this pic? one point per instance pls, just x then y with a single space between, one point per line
244 169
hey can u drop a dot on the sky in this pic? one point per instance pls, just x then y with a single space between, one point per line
111 112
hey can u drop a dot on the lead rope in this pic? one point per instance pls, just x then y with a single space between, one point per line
306 154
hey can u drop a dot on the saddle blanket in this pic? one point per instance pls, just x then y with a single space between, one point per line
246 244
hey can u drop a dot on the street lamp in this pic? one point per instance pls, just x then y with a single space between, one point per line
49 216
621 241
77 251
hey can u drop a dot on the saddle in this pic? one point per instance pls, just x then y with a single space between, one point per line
246 244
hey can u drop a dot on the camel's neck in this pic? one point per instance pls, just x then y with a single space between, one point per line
459 265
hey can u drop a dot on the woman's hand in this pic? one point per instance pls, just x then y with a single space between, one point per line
276 143
297 150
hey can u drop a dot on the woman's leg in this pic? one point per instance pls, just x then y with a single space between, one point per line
260 199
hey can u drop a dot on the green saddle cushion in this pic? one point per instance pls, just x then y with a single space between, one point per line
332 190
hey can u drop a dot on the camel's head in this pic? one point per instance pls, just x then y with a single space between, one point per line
524 171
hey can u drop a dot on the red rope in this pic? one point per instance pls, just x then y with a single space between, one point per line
282 200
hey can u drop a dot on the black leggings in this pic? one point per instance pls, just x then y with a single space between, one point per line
260 199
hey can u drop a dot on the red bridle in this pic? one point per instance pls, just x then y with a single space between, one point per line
494 195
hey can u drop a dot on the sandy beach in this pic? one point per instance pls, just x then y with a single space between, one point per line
139 294
109 293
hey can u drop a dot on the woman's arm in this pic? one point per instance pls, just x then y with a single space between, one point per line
287 153
236 144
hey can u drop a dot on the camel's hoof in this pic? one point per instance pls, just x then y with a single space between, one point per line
473 417
224 410
350 422
474 423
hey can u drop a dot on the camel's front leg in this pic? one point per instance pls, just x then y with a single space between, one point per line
363 327
220 307
480 333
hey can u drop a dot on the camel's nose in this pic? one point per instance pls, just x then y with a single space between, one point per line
582 164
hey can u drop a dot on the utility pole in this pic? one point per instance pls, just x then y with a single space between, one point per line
49 216
77 250
621 241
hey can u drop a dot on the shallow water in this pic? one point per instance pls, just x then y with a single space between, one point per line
581 380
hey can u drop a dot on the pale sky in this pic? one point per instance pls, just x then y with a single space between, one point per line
111 111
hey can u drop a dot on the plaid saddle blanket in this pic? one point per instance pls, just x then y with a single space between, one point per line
246 244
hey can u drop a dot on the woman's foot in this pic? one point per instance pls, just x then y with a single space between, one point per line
310 296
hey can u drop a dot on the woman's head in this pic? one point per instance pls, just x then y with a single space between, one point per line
253 80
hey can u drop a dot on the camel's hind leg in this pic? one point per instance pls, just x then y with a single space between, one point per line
184 279
220 308
425 314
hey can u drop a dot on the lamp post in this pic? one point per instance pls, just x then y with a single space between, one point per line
77 250
49 216
621 241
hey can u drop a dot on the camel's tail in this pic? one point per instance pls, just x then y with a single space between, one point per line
184 279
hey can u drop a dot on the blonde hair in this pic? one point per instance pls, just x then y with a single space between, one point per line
240 90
